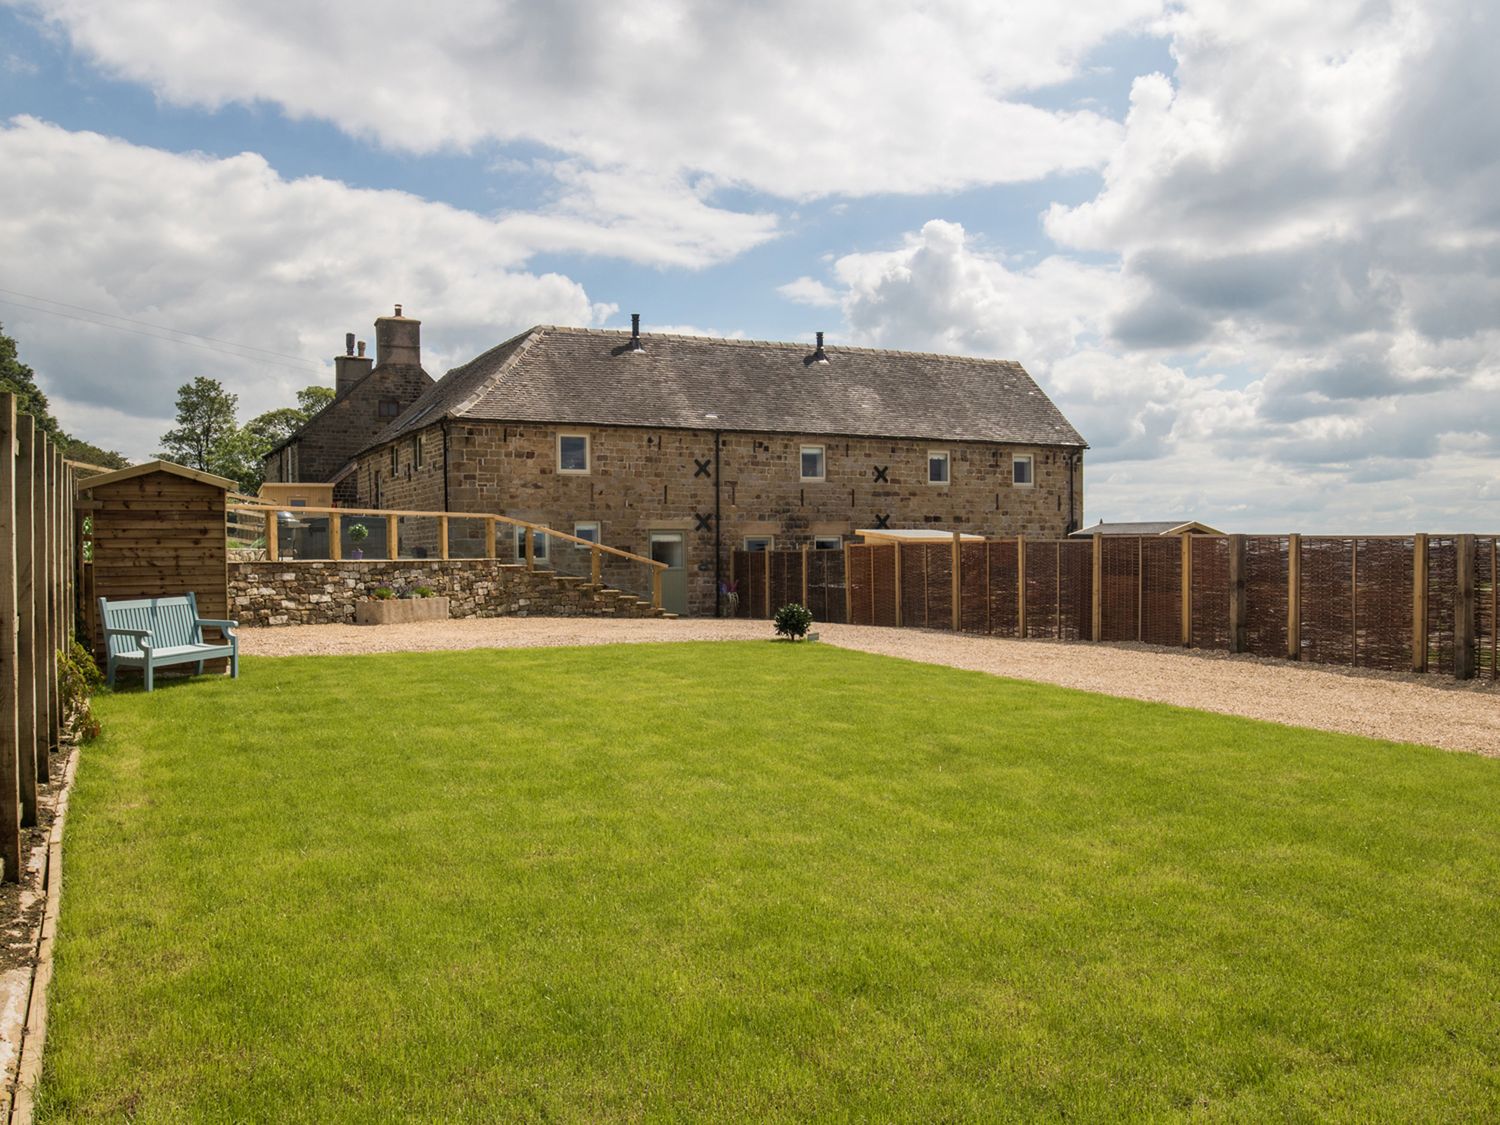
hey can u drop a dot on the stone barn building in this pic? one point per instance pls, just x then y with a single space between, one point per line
367 400
686 448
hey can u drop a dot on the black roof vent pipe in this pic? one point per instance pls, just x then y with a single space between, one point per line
635 346
818 356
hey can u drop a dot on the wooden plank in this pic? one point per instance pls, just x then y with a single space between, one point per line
1185 595
804 576
1463 611
393 538
30 556
1239 633
656 588
1294 597
442 537
48 661
10 784
528 542
1097 616
594 567
1020 585
958 589
273 552
336 538
1419 654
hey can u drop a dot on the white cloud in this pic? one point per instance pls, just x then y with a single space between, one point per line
809 291
229 249
793 99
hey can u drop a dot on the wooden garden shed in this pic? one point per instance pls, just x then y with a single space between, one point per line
156 530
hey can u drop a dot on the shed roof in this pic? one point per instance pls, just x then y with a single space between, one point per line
1147 527
157 467
589 376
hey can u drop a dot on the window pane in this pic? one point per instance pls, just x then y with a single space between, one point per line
828 543
758 543
668 551
589 531
812 463
937 469
574 454
1023 470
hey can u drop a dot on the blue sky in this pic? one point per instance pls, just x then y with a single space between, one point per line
1225 243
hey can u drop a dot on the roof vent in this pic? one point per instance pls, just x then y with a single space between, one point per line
635 347
819 355
398 310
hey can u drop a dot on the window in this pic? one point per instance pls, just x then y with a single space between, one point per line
395 455
812 462
390 407
759 542
589 531
937 467
416 451
298 503
1021 471
828 542
538 545
572 453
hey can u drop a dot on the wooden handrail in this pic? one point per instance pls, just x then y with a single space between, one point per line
388 513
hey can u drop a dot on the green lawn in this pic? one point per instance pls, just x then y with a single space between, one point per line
759 881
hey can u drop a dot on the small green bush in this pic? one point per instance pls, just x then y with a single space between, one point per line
78 678
422 591
358 532
793 621
383 592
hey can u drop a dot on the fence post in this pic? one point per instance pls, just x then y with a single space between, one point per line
594 554
54 598
900 592
44 686
1294 596
335 537
656 587
848 590
1238 627
1419 602
958 589
1186 606
442 537
1020 585
30 564
489 539
393 537
10 788
804 576
1463 611
273 548
1096 616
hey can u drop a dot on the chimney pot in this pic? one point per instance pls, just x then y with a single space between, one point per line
348 343
361 349
398 310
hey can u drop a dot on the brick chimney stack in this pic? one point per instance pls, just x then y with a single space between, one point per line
398 340
349 369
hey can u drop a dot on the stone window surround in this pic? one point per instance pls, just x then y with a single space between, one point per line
828 542
581 527
768 540
588 453
1029 460
822 452
947 460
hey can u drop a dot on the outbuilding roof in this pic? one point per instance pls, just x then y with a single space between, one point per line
156 467
1147 527
584 376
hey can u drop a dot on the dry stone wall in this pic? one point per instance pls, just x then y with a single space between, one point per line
325 593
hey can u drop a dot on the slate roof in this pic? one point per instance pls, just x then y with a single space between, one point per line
584 376
1144 527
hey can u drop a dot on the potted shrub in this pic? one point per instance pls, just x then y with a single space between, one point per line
793 621
383 607
358 533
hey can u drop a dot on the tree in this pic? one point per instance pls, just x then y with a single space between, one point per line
204 437
312 399
18 379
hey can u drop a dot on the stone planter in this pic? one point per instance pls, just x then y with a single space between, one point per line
400 611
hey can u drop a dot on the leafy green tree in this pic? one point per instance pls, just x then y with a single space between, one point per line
312 399
18 378
204 437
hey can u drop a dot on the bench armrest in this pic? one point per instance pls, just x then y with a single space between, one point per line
141 635
217 623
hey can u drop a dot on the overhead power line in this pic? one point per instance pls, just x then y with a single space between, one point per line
213 343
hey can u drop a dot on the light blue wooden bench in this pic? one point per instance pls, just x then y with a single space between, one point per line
152 633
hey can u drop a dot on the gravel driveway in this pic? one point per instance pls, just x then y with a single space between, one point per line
1425 709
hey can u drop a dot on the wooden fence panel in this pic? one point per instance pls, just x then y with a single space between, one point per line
1328 575
1042 564
1004 597
1383 603
825 585
1119 597
883 589
1266 594
1075 590
1209 613
974 601
1161 591
1442 588
1487 604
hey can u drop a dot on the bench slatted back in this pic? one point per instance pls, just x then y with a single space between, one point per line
171 621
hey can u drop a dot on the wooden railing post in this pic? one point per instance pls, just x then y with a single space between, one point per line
10 787
442 537
31 642
1020 585
1419 602
43 686
900 580
770 609
528 538
336 538
1097 617
1238 627
1463 611
489 538
273 548
392 537
656 587
804 576
958 589
595 558
1294 596
54 598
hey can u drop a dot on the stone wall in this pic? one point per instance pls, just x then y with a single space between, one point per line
642 480
324 593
